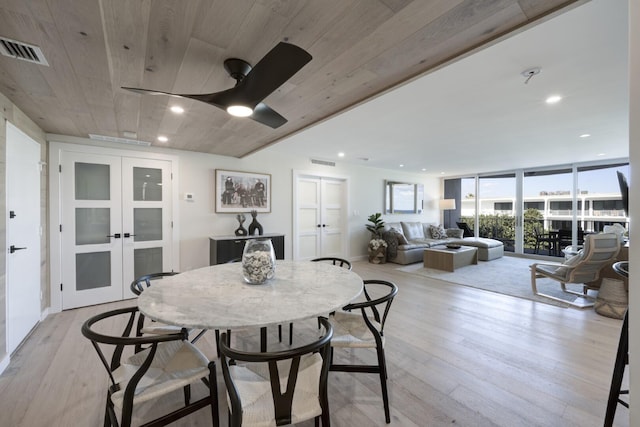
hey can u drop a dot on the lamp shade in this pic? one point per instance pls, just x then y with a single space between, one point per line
447 204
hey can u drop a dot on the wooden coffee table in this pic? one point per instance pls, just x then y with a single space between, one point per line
443 258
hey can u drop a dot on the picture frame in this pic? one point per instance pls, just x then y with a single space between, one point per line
239 192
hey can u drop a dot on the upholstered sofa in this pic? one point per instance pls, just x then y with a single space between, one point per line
406 241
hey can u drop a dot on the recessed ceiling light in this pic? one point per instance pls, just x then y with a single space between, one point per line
177 109
553 99
424 169
441 173
401 166
600 154
163 138
585 135
340 154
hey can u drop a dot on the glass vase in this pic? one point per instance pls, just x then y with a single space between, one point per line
258 261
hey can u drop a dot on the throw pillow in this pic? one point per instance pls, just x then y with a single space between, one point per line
391 237
437 232
401 239
455 233
412 230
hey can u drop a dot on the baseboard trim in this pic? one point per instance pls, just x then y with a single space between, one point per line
44 314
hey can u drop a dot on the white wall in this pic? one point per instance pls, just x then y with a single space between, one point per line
198 219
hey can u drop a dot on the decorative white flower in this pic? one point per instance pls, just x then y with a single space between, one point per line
374 244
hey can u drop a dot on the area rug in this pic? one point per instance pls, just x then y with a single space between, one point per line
506 275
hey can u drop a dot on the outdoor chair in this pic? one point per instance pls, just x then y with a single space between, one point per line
543 239
360 325
466 231
167 366
599 250
278 388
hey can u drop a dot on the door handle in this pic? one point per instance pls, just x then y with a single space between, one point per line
115 236
12 249
128 235
12 214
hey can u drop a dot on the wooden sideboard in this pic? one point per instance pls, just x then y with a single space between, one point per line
223 249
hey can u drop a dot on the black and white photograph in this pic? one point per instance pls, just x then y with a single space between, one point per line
242 191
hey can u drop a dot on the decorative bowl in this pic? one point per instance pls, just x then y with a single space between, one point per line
453 246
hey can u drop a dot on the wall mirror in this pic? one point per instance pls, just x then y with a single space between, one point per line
403 197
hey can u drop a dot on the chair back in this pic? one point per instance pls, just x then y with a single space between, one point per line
335 261
239 368
466 231
143 282
599 250
377 308
144 368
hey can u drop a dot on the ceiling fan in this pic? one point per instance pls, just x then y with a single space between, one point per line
252 84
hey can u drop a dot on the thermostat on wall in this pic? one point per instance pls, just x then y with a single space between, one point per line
189 197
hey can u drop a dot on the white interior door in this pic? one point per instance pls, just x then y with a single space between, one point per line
320 217
91 229
146 218
23 236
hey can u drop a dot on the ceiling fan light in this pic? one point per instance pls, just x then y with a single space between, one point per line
239 110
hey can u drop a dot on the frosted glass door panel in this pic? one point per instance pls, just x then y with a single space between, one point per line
332 218
92 226
93 270
332 245
308 193
92 181
147 184
147 261
147 224
332 193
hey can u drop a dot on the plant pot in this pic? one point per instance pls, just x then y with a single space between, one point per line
378 256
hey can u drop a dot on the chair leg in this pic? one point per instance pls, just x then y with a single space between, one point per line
187 394
213 394
382 366
618 374
279 333
290 333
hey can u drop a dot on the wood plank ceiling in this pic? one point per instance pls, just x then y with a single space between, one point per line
360 48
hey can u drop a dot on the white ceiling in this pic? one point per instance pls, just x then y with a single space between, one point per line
478 115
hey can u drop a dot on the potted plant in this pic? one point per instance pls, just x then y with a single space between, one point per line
377 246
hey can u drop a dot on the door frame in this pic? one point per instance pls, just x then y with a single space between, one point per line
56 151
296 175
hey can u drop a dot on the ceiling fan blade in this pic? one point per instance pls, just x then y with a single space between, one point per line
152 92
275 68
262 113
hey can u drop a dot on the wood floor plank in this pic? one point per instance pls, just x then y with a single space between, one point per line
456 356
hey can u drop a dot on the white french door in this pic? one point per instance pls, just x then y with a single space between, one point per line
116 221
320 217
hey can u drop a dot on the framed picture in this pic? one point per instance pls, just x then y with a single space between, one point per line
242 191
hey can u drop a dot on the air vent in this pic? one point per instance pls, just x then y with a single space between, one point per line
322 162
24 51
119 140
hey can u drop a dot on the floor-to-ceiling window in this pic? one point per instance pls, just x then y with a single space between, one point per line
560 205
497 208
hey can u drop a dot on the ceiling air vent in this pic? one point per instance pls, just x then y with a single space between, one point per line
322 162
119 140
24 51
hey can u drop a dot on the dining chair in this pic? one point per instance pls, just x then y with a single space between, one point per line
255 383
167 366
340 262
360 325
137 287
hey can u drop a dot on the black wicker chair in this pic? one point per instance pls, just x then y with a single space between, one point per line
260 375
361 325
168 363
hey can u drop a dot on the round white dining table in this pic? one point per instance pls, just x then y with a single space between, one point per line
217 297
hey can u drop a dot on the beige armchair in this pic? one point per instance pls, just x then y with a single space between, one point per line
599 250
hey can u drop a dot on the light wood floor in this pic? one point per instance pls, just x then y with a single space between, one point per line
456 356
